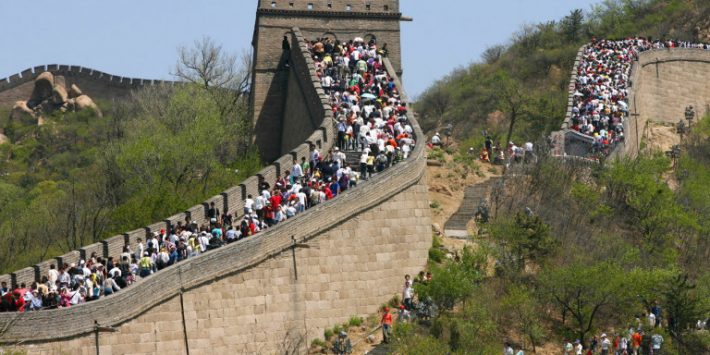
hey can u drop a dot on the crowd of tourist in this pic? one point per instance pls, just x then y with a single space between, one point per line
371 123
600 100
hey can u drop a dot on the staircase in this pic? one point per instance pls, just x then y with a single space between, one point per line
473 195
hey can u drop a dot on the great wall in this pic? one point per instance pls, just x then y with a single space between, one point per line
663 82
102 85
277 291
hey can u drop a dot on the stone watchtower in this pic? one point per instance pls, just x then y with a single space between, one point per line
339 19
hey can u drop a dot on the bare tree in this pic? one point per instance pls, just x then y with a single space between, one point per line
207 64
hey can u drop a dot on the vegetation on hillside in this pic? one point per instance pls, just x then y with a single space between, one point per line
79 178
572 249
527 79
585 255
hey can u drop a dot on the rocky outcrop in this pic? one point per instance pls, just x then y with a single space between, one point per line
49 95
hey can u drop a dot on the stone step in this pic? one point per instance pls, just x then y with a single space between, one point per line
456 225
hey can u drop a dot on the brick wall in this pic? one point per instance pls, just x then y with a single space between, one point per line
665 82
281 110
95 83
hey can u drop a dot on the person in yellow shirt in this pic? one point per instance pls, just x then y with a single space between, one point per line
146 265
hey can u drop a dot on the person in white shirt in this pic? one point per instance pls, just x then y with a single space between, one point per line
204 241
605 345
140 249
52 274
578 348
297 171
248 204
651 320
508 350
656 341
436 140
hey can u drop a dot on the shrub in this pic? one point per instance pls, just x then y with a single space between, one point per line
436 154
327 334
355 321
319 343
436 255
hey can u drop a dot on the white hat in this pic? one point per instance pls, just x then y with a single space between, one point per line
603 335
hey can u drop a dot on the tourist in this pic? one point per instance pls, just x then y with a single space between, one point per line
386 322
408 293
568 348
507 349
342 344
656 342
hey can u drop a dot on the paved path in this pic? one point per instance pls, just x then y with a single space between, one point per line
456 225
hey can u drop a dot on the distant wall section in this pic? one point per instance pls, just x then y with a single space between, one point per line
664 83
97 84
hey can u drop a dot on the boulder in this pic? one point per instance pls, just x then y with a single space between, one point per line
20 111
84 102
59 80
74 91
3 139
59 95
44 85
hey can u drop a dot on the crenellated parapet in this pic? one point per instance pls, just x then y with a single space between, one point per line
100 84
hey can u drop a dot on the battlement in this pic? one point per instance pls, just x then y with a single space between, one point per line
31 74
319 7
98 83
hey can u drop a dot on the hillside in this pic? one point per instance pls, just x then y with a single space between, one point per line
579 249
78 178
528 77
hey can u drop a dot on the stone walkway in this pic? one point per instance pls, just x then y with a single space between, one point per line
455 227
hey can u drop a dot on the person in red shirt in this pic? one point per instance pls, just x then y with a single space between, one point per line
20 303
275 199
636 339
386 325
328 193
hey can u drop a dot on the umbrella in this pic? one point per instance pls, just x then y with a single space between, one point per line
358 39
368 96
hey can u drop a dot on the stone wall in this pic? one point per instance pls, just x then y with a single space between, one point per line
664 83
97 84
270 75
255 296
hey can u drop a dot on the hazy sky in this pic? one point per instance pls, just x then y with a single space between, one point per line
138 38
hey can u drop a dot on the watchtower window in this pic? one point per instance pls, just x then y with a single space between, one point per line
348 7
387 7
290 4
273 4
310 6
330 5
367 7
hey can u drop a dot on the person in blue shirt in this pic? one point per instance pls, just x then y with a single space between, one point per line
335 188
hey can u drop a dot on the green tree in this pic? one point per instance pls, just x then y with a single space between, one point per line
524 313
454 281
683 306
586 290
512 98
526 238
572 25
